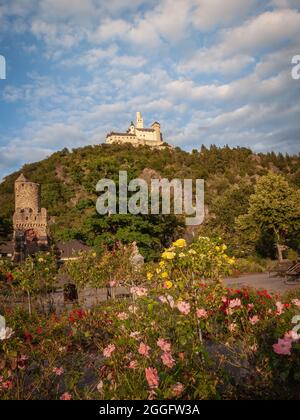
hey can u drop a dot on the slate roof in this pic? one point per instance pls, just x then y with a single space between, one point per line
7 247
68 249
120 134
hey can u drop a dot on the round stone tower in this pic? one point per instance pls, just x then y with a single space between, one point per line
27 195
29 220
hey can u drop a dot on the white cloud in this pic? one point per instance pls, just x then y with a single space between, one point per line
64 9
238 46
211 61
209 14
144 35
110 30
285 4
54 34
266 31
90 58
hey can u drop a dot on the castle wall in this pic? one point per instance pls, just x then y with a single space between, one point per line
145 135
24 220
114 138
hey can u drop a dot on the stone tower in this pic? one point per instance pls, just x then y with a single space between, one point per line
139 120
29 220
156 128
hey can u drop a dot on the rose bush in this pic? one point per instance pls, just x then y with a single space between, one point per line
182 335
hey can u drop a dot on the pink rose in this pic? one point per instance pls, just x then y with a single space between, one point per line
296 302
152 377
144 349
122 316
164 344
291 335
254 320
234 303
107 352
133 364
177 389
279 307
66 396
168 360
283 347
202 313
184 307
58 371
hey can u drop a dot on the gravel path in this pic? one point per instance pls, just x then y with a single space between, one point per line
271 282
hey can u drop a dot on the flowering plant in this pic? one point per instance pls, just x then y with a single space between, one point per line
182 335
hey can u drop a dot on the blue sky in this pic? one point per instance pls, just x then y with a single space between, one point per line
211 71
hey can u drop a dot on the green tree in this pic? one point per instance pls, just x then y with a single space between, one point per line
274 207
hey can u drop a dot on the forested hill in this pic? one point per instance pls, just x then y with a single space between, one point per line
69 178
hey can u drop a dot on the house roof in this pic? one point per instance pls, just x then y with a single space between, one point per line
7 247
68 249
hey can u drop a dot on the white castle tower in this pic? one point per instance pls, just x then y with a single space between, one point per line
139 120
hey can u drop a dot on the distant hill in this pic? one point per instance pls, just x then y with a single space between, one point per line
69 178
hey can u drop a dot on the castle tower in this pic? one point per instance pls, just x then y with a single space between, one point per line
156 128
27 194
29 220
131 128
139 120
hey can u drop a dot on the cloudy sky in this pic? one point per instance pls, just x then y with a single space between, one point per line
211 71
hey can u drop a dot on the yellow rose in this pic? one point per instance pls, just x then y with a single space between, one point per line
168 255
192 252
94 254
41 260
168 284
164 275
161 263
181 255
180 243
149 276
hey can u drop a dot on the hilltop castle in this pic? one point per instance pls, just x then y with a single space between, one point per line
138 135
29 220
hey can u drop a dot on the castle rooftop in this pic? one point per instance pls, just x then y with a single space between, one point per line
21 178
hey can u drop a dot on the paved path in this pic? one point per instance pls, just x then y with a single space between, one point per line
260 281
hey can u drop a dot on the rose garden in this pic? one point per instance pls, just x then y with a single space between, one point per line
180 334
